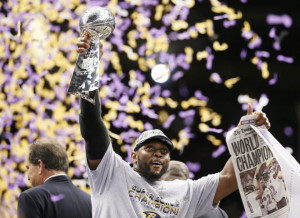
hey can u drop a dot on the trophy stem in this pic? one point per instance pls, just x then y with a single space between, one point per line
85 78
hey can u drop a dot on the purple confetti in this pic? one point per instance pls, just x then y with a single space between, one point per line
288 131
169 121
220 17
243 54
272 33
56 198
244 215
209 59
255 43
276 45
173 36
188 113
180 61
282 58
229 23
284 19
193 166
247 35
128 135
198 94
157 33
259 64
124 99
166 93
148 126
128 158
183 36
191 175
221 149
216 78
141 50
262 54
273 80
215 130
188 121
183 91
149 112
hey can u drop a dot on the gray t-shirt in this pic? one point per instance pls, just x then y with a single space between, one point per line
119 191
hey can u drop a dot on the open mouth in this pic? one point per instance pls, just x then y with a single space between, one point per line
156 163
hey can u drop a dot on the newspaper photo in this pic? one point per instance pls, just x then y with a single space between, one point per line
261 183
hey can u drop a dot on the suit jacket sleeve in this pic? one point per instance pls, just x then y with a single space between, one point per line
27 208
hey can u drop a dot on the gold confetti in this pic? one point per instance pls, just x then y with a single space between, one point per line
130 54
230 82
201 55
135 124
188 54
158 12
163 116
264 70
203 127
220 47
171 103
192 102
214 140
205 27
177 25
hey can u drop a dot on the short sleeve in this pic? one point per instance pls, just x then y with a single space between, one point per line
101 178
204 190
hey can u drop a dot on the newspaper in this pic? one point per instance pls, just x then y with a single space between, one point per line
291 171
262 184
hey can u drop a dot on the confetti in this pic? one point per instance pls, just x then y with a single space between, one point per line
284 19
288 131
221 149
286 59
56 198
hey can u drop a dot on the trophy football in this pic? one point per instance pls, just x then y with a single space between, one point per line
100 23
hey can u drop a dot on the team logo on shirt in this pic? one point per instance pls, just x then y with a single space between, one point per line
151 214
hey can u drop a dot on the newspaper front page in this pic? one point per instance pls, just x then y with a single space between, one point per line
261 183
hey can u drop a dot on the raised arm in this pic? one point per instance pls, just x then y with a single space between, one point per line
227 180
92 127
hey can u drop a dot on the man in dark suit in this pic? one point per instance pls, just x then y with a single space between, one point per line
53 193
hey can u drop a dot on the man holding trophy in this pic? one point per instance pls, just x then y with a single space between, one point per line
119 190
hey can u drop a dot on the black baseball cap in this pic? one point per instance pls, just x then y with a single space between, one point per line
149 135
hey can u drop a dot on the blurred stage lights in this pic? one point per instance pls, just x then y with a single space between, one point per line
160 73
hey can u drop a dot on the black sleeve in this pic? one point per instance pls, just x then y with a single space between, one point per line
27 207
93 129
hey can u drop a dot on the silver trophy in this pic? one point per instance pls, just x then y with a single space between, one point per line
100 23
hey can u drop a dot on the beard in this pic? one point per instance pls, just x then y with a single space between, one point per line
144 169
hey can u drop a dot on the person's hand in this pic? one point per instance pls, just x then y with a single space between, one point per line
261 118
84 43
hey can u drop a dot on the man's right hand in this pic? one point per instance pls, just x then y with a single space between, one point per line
84 43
